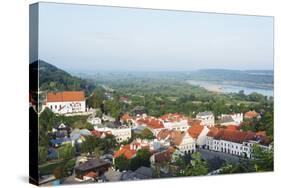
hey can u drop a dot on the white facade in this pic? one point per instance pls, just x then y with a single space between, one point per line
181 125
94 120
237 118
187 145
207 118
234 148
202 138
121 133
67 107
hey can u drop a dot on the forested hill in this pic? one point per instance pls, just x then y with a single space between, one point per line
52 78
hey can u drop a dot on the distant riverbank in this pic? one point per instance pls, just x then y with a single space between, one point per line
228 88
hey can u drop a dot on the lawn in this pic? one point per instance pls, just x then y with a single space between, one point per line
49 167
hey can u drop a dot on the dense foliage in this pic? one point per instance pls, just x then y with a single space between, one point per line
52 78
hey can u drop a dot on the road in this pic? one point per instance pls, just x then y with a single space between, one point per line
207 155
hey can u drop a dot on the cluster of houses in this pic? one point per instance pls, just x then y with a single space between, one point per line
174 134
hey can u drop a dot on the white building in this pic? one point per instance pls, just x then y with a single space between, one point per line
207 118
122 133
199 133
175 122
66 102
94 120
188 144
236 118
181 140
234 142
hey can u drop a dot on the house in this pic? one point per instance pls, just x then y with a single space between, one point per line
61 130
181 140
235 142
152 123
122 133
175 122
207 118
199 133
231 119
251 115
238 117
226 120
141 173
66 102
94 120
162 157
91 169
60 141
130 150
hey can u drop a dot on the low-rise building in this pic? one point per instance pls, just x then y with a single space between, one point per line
181 140
121 133
91 169
207 118
175 122
66 102
199 133
235 142
251 115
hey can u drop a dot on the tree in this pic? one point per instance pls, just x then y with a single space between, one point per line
141 159
60 172
263 159
89 144
42 154
197 166
146 134
108 143
122 163
66 151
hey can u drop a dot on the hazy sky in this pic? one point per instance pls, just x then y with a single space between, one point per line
95 38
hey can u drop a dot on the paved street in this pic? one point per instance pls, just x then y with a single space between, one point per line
207 155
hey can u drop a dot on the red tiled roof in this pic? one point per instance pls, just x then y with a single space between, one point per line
232 127
126 117
251 114
126 151
164 156
151 122
96 133
175 137
195 130
66 96
172 117
261 133
91 174
213 131
234 136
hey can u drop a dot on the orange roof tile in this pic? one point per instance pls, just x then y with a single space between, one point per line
126 151
195 130
66 96
251 114
91 174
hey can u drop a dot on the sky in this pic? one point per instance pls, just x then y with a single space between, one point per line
99 38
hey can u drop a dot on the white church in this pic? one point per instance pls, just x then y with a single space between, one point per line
66 102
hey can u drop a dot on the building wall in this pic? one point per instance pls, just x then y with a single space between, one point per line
208 120
188 145
67 107
178 126
201 140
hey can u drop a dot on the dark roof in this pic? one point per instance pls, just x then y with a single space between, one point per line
225 119
92 164
140 173
206 113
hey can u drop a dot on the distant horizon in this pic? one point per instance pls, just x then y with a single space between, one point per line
85 38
